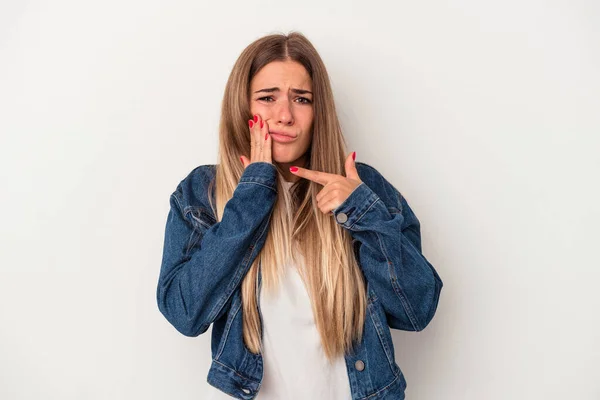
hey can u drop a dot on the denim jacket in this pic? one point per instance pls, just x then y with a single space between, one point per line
204 262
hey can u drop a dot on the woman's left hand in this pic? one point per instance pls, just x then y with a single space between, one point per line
336 188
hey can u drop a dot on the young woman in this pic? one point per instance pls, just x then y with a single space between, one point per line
300 258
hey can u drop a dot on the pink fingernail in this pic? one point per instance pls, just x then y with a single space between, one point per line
266 136
354 156
294 169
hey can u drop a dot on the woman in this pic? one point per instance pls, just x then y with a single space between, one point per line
337 246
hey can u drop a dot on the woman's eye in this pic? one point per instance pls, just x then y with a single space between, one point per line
269 99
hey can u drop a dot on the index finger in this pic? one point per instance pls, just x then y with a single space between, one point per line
316 176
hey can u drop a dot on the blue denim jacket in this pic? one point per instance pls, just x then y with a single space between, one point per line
204 262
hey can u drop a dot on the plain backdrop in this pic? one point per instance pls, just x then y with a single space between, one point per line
484 114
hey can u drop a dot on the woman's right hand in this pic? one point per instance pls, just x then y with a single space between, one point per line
260 142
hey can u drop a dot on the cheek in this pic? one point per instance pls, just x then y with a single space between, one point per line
253 108
257 108
307 119
307 138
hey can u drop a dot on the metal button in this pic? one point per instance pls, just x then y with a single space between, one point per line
247 391
359 365
341 218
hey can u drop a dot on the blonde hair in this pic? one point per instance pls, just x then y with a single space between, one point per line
297 227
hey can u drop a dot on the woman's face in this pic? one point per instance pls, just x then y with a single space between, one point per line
281 93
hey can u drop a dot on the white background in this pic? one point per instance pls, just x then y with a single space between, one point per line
484 114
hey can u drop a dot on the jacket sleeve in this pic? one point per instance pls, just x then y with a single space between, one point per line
198 275
390 255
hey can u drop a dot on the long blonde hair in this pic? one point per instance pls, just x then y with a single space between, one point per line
298 229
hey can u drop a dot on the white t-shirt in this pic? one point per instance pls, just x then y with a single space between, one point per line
295 366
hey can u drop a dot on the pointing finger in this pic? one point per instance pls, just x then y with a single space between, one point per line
316 176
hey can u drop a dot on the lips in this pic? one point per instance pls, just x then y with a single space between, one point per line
282 134
282 137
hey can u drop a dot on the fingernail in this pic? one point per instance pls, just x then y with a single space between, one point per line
262 123
255 118
242 160
294 169
266 136
251 123
354 156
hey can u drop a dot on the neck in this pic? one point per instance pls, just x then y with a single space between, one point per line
287 175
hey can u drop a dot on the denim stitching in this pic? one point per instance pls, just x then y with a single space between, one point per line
234 371
378 328
382 389
197 219
217 308
178 202
397 289
191 242
258 183
362 215
232 315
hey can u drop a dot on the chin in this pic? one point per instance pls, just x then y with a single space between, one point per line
287 156
283 158
282 161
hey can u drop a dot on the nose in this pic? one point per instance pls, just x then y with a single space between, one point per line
283 114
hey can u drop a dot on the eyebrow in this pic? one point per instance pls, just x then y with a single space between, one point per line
276 89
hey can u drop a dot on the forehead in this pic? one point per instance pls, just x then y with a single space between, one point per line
282 73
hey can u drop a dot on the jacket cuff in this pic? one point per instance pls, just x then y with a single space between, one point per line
356 206
262 173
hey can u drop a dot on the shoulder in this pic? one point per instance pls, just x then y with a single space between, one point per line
193 189
366 170
386 191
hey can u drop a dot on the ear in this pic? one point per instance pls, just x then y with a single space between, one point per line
350 165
